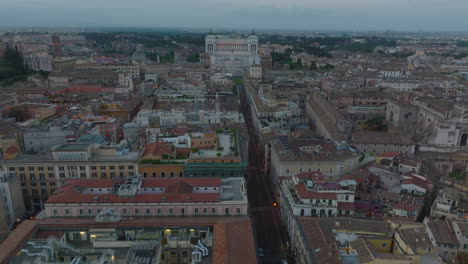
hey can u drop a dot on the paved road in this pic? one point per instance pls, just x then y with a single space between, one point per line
267 224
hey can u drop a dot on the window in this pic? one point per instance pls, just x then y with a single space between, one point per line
154 174
172 174
196 211
181 174
82 168
145 174
163 174
159 211
130 167
67 212
112 167
148 211
43 183
238 211
171 211
61 168
213 210
81 211
40 168
62 175
124 211
205 211
121 167
103 167
90 211
32 177
94 174
31 168
51 176
347 197
21 168
55 212
98 211
52 183
33 183
93 167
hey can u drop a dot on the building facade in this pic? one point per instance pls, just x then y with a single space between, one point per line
136 196
232 54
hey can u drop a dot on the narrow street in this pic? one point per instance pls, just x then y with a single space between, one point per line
265 216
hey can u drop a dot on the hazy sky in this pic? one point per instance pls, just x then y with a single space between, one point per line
256 14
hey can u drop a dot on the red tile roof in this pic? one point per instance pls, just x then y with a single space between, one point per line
176 190
316 176
418 181
11 150
407 203
303 193
157 149
322 250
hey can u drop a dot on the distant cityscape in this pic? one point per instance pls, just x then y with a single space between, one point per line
225 146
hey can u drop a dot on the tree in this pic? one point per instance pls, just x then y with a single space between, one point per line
194 58
16 114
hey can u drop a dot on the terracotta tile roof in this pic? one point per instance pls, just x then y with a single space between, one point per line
418 181
11 150
303 193
240 247
157 149
407 203
443 231
176 190
324 252
316 176
13 243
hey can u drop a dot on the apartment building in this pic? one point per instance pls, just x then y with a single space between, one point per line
41 174
137 196
290 156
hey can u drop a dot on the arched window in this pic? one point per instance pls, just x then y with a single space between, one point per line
463 139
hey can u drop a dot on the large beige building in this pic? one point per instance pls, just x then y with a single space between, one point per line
43 173
232 54
290 156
